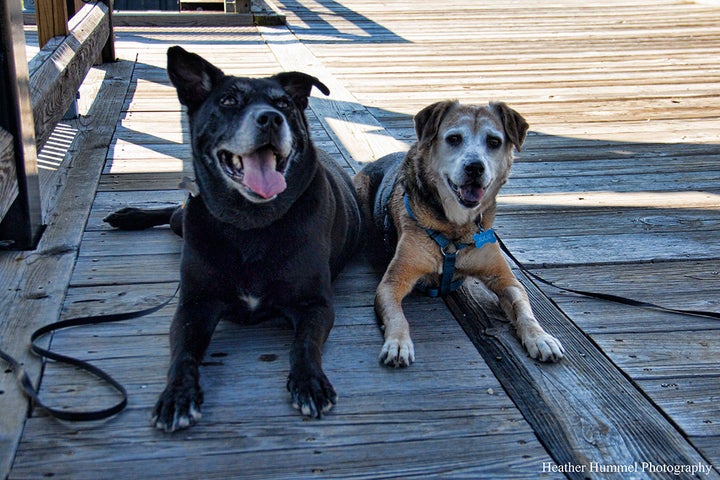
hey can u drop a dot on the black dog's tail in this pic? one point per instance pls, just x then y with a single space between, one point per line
132 218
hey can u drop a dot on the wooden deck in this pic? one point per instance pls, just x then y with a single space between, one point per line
617 190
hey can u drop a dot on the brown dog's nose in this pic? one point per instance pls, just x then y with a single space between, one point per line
269 118
474 169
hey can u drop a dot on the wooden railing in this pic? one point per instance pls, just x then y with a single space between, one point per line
33 102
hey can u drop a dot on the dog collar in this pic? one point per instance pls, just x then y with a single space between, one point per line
449 250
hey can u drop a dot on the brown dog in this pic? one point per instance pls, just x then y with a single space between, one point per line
438 202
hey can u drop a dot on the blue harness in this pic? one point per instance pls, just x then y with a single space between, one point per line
449 250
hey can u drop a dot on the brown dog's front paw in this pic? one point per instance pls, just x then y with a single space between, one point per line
397 352
177 408
312 394
544 347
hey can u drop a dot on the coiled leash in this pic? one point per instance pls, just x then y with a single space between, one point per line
77 415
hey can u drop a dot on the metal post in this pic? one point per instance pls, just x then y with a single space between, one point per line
22 225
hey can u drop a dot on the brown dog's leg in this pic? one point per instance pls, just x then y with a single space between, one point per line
495 272
405 269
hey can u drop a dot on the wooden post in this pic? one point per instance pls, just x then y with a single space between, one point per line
237 6
21 225
108 51
73 6
52 19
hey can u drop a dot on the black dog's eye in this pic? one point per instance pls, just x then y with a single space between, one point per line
282 103
228 100
493 142
454 140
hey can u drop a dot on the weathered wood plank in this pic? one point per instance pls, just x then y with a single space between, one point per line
608 248
36 282
689 401
8 174
305 461
709 446
693 285
187 19
44 53
380 408
127 269
652 356
55 83
583 407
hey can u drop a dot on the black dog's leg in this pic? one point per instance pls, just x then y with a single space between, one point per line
310 390
131 218
192 327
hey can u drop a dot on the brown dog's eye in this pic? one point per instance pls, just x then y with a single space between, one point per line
454 140
228 100
493 142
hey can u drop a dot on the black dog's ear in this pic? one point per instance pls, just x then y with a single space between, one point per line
298 85
193 76
515 125
428 120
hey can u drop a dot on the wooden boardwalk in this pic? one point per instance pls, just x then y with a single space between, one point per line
617 190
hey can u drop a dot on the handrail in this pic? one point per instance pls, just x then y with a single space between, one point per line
36 102
54 84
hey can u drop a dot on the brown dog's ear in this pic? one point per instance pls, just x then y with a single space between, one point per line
428 120
193 76
298 85
515 125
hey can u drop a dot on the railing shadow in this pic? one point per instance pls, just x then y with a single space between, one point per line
317 29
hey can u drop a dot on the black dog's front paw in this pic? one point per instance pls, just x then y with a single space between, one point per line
177 408
312 394
129 218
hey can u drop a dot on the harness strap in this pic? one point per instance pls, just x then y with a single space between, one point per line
77 415
449 250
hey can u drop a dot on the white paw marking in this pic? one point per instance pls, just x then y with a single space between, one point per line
252 302
544 347
398 352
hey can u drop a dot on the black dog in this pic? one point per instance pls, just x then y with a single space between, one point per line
274 222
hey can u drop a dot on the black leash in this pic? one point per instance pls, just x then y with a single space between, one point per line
91 415
606 296
77 415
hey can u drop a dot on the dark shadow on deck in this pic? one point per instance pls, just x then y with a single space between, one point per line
317 25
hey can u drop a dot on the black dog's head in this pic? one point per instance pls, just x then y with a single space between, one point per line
250 139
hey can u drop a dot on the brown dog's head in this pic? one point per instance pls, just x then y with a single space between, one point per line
468 152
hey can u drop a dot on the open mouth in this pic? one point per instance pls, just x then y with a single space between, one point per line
469 195
261 173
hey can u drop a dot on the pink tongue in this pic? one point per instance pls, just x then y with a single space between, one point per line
260 175
472 193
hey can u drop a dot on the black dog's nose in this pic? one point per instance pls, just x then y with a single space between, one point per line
269 118
474 169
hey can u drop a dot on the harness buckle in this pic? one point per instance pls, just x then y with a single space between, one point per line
449 250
